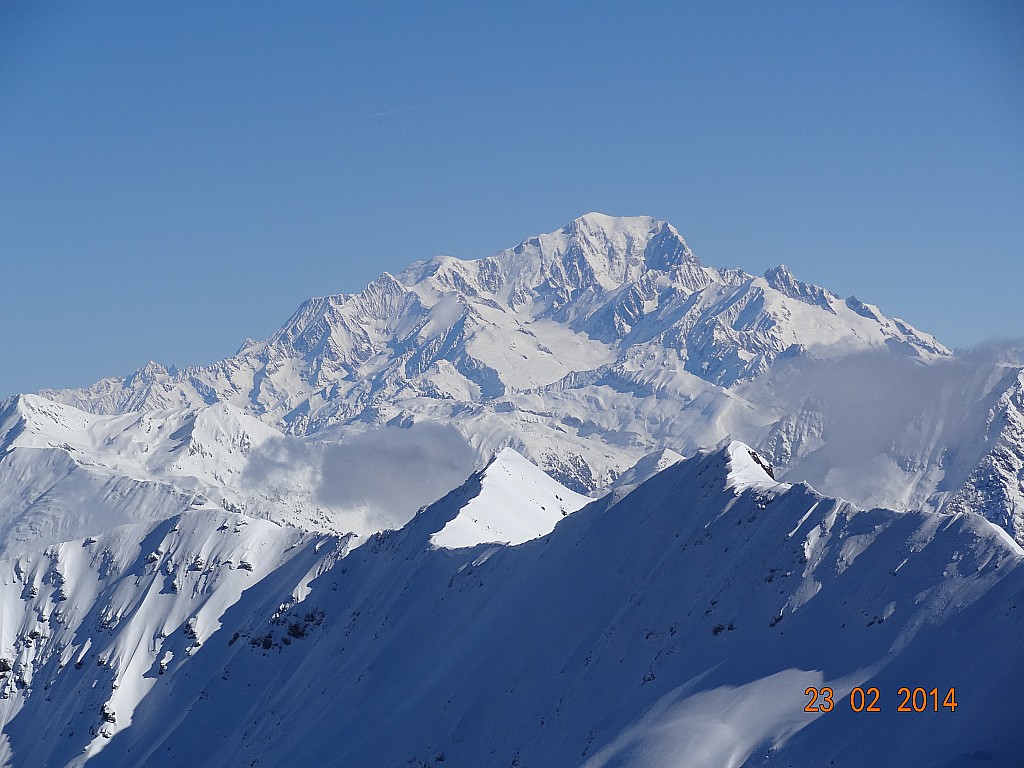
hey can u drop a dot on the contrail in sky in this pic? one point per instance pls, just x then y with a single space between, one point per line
390 112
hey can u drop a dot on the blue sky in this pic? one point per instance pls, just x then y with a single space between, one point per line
175 177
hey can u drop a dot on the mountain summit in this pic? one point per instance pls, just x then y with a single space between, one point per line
601 291
586 349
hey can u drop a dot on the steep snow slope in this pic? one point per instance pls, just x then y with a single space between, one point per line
88 627
680 625
996 484
517 502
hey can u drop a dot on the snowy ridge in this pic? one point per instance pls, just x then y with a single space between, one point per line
517 502
748 470
601 644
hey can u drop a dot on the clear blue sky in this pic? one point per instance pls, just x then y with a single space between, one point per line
177 176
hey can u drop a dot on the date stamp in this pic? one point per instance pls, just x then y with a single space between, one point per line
861 700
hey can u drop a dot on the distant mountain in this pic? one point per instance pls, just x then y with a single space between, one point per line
66 474
602 298
589 348
678 625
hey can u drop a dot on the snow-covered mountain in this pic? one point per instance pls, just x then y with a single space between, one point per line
225 565
516 502
995 485
589 348
622 299
66 474
680 624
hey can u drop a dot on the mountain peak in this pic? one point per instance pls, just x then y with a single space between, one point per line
589 258
785 282
658 243
516 502
747 469
595 220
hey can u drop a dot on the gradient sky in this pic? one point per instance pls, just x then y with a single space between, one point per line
177 176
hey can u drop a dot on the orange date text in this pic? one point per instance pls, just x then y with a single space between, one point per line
869 700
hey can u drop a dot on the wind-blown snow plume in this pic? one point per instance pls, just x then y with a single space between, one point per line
897 431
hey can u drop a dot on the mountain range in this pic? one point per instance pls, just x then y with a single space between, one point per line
263 560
